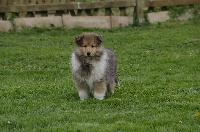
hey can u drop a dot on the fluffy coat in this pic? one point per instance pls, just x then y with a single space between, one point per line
93 66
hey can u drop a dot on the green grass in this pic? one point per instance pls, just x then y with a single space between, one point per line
158 66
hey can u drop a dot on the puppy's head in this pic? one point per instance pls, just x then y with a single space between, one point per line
89 45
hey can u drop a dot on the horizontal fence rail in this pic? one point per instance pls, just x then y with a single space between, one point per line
32 8
68 6
151 3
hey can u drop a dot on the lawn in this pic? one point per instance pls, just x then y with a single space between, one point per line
158 66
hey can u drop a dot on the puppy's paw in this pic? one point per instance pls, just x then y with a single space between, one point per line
99 96
83 95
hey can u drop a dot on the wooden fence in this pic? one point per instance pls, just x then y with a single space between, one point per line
64 6
31 8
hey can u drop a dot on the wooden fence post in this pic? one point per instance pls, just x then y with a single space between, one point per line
9 14
41 13
139 11
72 12
21 2
108 11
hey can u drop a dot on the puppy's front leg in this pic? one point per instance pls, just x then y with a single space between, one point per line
82 90
99 89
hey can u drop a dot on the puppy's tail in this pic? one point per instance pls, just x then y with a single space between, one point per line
117 81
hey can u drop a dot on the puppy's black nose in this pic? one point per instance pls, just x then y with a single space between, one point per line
88 53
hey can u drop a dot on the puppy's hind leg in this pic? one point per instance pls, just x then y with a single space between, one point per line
111 87
82 90
112 84
99 89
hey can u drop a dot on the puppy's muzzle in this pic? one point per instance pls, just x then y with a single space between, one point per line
88 54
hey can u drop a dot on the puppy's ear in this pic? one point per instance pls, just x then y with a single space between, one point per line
99 39
78 39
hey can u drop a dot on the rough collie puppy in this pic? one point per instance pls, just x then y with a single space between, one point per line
93 67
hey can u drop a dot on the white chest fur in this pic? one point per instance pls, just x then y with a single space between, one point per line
97 72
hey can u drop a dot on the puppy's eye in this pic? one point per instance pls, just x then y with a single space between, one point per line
84 46
93 46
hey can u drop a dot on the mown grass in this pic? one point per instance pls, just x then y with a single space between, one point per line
158 66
